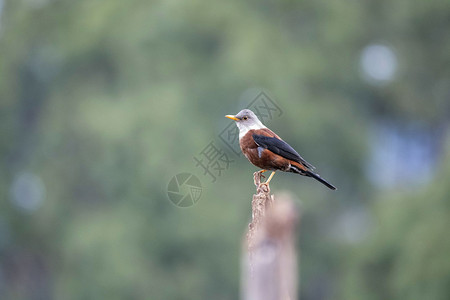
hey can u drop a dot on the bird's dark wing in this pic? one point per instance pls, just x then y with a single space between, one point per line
281 148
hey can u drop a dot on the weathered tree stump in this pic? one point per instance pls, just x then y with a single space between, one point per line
270 259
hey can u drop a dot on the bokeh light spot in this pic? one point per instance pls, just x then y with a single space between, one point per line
378 64
27 192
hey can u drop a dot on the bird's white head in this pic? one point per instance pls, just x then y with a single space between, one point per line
246 120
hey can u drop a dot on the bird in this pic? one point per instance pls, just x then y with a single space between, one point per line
266 150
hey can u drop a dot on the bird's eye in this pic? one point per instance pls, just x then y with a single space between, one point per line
245 118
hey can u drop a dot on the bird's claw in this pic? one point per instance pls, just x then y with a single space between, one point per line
261 173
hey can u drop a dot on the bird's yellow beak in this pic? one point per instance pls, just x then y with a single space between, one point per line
231 117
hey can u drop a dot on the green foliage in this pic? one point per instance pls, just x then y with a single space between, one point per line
407 256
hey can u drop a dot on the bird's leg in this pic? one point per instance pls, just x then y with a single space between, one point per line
270 178
266 184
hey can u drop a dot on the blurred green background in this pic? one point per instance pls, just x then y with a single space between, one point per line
103 102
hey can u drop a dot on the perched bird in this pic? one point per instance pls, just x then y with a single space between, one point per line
268 151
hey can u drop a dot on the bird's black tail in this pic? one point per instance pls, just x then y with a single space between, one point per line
318 178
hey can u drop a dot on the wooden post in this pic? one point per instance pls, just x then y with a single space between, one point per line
270 259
